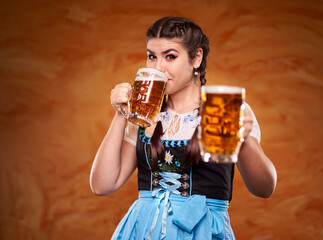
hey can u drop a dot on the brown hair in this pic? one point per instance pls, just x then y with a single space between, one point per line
192 39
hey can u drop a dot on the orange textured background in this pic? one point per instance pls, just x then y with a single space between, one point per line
59 61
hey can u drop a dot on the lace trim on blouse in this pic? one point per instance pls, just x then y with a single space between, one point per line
178 126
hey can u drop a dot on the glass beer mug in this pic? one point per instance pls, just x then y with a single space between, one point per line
147 96
221 131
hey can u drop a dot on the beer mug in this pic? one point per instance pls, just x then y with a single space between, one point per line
147 96
221 132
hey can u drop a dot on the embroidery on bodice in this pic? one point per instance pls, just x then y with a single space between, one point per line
173 149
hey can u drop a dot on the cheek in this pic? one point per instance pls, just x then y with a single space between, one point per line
187 67
187 71
179 70
171 85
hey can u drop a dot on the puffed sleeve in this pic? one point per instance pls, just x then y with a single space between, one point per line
255 132
130 134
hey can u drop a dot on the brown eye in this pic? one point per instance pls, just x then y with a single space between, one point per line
171 56
151 56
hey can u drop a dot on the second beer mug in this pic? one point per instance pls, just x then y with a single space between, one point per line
147 97
220 131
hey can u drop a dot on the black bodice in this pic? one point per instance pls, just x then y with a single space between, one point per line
210 179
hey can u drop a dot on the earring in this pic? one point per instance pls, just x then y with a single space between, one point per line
196 72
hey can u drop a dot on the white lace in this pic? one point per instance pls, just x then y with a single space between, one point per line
179 126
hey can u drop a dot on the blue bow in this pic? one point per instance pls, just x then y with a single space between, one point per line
195 210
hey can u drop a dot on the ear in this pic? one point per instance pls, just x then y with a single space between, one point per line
198 58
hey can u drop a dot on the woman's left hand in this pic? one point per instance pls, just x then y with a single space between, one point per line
247 122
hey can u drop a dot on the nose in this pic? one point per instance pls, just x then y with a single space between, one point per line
159 65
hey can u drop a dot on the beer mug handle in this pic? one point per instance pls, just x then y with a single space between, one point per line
125 108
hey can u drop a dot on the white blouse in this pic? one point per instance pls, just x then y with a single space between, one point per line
181 125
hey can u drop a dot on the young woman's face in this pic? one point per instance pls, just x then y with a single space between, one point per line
170 57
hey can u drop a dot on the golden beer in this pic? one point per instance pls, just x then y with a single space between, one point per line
147 96
220 133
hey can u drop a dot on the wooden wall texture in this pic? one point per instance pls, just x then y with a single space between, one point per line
59 60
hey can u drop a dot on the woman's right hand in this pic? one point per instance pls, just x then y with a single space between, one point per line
120 95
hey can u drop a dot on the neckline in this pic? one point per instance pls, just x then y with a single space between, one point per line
193 112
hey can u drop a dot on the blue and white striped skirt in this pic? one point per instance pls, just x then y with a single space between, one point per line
172 217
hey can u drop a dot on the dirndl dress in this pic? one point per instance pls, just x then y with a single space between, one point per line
175 203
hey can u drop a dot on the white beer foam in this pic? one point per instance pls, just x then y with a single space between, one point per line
222 89
145 74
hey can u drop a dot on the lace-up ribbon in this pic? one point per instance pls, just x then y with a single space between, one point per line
168 184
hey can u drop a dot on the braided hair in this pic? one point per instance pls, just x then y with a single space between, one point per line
192 39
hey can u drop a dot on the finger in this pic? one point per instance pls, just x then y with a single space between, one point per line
124 86
247 120
119 99
124 89
247 126
122 99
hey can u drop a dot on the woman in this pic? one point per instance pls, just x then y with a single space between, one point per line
180 196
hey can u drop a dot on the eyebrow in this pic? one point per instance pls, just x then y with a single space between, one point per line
164 52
